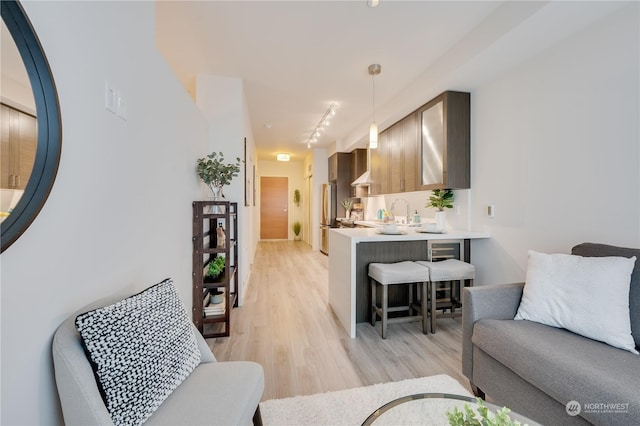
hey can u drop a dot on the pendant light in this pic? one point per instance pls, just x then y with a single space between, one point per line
374 69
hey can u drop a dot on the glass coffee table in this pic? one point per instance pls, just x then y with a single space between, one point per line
429 409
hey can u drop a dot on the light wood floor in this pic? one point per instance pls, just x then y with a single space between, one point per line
287 326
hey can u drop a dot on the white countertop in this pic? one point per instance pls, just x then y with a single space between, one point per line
407 234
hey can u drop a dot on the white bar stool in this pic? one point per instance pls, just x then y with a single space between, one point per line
449 270
386 274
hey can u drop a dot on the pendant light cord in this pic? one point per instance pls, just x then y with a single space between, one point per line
373 83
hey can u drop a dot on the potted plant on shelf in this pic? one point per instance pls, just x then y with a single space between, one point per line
216 267
297 228
441 199
296 197
215 173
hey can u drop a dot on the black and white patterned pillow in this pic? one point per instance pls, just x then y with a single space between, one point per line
141 349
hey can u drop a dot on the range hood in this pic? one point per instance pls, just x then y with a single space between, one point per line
363 180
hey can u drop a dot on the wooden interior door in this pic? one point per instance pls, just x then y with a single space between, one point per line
274 208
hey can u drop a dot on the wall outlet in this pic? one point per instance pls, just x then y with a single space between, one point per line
491 210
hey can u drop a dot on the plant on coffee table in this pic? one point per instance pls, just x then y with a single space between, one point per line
480 417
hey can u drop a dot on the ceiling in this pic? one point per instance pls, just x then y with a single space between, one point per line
295 58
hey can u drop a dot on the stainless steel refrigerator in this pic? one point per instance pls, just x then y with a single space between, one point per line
327 215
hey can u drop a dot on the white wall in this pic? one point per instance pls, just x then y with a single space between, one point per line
555 148
119 216
293 171
222 100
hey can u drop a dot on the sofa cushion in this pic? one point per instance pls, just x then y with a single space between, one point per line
219 393
598 250
141 349
564 365
586 295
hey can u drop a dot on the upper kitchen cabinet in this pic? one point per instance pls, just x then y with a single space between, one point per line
379 168
339 166
445 142
358 168
403 155
395 164
340 176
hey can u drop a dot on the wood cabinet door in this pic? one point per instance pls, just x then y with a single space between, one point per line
333 167
383 152
396 172
17 148
411 153
274 203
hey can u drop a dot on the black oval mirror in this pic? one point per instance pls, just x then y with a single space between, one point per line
49 137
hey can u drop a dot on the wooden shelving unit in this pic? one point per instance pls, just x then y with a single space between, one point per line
207 216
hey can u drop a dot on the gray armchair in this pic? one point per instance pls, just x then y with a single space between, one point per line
222 393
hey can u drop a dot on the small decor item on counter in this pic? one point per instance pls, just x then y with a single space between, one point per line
216 266
221 236
296 197
357 212
416 217
441 199
347 204
380 214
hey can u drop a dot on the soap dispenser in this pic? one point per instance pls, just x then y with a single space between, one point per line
416 217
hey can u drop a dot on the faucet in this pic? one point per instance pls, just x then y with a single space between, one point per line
393 205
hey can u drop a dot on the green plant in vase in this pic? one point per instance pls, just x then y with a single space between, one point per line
441 199
215 173
347 204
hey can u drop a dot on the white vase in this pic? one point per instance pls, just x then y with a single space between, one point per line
441 220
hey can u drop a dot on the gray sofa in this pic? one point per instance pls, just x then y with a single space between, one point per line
215 393
536 370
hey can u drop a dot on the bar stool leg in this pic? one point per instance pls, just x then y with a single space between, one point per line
373 301
425 311
432 305
385 303
411 299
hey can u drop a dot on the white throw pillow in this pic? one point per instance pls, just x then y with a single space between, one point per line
586 295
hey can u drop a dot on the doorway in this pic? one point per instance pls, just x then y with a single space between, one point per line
274 208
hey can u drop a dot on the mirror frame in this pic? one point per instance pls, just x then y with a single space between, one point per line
49 142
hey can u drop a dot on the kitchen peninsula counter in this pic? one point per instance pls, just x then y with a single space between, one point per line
352 249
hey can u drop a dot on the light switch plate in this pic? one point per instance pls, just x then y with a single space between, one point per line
122 108
110 97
